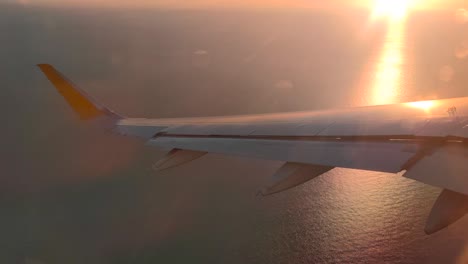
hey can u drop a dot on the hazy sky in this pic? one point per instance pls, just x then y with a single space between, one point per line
424 4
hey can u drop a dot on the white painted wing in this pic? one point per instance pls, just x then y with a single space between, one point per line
428 140
388 138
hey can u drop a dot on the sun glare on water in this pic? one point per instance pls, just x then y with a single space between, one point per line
388 69
393 9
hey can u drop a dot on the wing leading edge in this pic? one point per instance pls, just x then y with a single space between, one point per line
428 141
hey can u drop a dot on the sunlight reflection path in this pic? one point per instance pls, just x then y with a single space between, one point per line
386 85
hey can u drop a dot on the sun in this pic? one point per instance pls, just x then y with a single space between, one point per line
393 9
424 105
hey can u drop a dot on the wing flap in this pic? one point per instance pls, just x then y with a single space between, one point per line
177 157
375 156
446 167
291 175
449 208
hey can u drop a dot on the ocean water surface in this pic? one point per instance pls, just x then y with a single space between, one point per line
73 194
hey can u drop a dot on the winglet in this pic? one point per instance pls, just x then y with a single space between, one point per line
82 103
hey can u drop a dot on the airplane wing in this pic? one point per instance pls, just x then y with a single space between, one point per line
424 141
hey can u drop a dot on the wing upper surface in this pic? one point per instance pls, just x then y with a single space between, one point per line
437 118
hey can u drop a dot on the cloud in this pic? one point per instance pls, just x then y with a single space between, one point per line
446 73
201 58
462 51
16 2
200 52
461 15
284 85
188 4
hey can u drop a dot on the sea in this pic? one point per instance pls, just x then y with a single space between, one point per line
71 193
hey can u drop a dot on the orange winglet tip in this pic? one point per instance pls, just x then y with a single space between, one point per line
81 102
